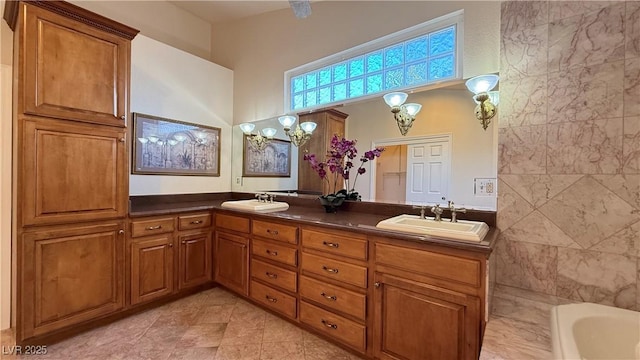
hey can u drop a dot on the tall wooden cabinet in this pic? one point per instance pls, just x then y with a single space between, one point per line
71 88
329 122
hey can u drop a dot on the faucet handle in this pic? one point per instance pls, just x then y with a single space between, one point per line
422 208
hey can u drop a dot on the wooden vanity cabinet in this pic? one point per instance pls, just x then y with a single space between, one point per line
195 256
75 274
73 70
333 285
72 172
274 259
232 252
329 122
166 259
195 259
152 258
152 269
427 304
71 85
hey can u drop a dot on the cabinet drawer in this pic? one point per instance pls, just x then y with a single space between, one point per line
335 244
199 221
334 269
275 252
346 331
274 299
275 231
334 297
150 227
274 275
235 223
466 271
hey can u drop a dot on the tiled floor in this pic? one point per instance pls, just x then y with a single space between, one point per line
213 324
519 327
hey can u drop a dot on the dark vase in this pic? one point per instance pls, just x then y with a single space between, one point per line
352 195
331 202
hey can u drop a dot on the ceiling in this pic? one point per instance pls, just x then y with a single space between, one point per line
214 11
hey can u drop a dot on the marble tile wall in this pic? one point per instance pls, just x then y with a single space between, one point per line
569 150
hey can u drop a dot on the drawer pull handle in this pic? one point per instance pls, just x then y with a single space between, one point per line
154 227
332 297
330 325
272 232
272 253
273 300
330 270
330 244
271 275
120 231
196 222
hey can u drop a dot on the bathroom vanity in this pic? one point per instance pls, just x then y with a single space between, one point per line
380 294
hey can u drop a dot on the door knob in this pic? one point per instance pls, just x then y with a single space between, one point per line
120 231
122 117
376 284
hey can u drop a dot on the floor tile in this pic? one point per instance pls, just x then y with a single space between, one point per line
238 352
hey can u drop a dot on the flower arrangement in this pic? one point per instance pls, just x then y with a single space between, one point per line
339 162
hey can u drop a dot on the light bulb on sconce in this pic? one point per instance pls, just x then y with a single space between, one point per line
257 141
405 114
301 134
486 99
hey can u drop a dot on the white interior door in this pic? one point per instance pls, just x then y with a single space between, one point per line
428 172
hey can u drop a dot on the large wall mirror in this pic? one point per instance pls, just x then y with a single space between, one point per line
459 158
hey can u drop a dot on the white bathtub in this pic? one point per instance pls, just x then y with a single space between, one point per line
592 331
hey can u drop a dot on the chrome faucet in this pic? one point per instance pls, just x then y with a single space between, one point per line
264 197
455 210
423 209
437 210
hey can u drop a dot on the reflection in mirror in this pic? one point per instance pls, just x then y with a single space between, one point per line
445 156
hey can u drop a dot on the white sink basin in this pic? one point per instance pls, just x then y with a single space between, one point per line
461 230
255 205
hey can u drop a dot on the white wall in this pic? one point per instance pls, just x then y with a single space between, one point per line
159 20
171 83
261 48
6 61
253 184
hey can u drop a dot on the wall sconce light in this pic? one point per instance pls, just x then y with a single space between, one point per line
486 99
404 114
301 134
257 141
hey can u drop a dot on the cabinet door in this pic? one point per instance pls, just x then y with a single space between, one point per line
329 122
71 275
72 70
232 262
195 259
151 268
417 321
72 172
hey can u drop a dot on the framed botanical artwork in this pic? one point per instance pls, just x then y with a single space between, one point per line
171 147
273 161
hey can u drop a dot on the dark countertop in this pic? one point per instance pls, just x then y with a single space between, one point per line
315 215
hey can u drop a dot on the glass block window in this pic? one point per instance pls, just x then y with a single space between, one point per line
424 54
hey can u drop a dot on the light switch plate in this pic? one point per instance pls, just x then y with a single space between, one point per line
485 186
